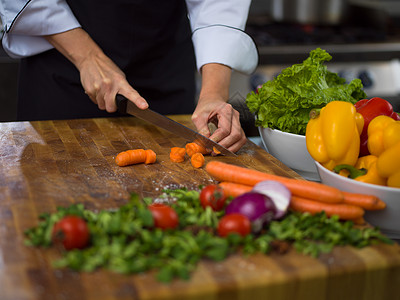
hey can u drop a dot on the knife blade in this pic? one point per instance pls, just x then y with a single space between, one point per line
126 106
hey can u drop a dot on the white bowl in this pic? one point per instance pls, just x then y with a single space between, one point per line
291 150
388 219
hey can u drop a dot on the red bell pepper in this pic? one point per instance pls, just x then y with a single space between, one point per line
369 109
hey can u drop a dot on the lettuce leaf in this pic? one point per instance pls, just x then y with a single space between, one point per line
285 102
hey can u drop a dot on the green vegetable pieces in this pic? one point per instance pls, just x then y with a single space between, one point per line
126 240
285 102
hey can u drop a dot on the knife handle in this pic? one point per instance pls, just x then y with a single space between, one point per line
121 103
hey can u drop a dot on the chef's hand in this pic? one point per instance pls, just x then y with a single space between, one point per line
212 105
101 78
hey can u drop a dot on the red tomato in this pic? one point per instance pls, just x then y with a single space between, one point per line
164 216
234 223
72 232
213 195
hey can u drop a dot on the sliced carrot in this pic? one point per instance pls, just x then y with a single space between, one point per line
216 151
368 202
344 211
192 148
176 158
135 156
177 154
151 157
197 160
131 157
302 188
234 189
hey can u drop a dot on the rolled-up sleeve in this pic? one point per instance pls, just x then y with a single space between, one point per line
26 22
218 34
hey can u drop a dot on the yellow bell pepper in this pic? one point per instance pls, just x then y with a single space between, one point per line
388 165
383 132
365 170
333 137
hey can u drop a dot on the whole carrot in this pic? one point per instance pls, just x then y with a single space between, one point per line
302 188
368 202
344 211
234 189
359 221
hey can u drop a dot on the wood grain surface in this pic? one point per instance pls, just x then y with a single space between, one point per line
45 164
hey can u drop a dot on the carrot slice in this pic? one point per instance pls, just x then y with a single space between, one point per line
197 160
192 148
307 189
216 151
151 157
131 157
344 211
177 154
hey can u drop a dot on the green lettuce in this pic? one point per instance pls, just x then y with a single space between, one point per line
285 102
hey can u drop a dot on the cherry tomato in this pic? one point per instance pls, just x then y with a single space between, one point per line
234 223
72 232
164 216
213 195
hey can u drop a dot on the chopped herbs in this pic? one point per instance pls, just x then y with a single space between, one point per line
125 240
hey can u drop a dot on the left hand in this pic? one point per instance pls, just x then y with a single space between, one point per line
212 106
229 132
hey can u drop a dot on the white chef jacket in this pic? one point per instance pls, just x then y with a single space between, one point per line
217 26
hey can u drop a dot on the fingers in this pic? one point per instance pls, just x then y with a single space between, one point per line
228 133
104 95
135 97
102 80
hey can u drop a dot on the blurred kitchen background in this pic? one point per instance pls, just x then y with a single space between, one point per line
362 36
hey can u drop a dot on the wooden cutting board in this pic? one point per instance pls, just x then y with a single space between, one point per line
45 164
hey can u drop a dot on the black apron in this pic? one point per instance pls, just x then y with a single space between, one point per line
149 40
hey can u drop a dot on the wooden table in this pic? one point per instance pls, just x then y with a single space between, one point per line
46 164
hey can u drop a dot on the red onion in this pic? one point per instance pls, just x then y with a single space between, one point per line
278 193
258 207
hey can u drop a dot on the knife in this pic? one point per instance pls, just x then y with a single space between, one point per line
126 106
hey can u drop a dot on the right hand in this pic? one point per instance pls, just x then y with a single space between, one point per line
101 78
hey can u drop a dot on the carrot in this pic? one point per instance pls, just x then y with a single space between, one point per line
192 148
234 189
151 157
197 160
359 221
368 202
135 156
177 154
302 188
131 157
344 211
216 151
